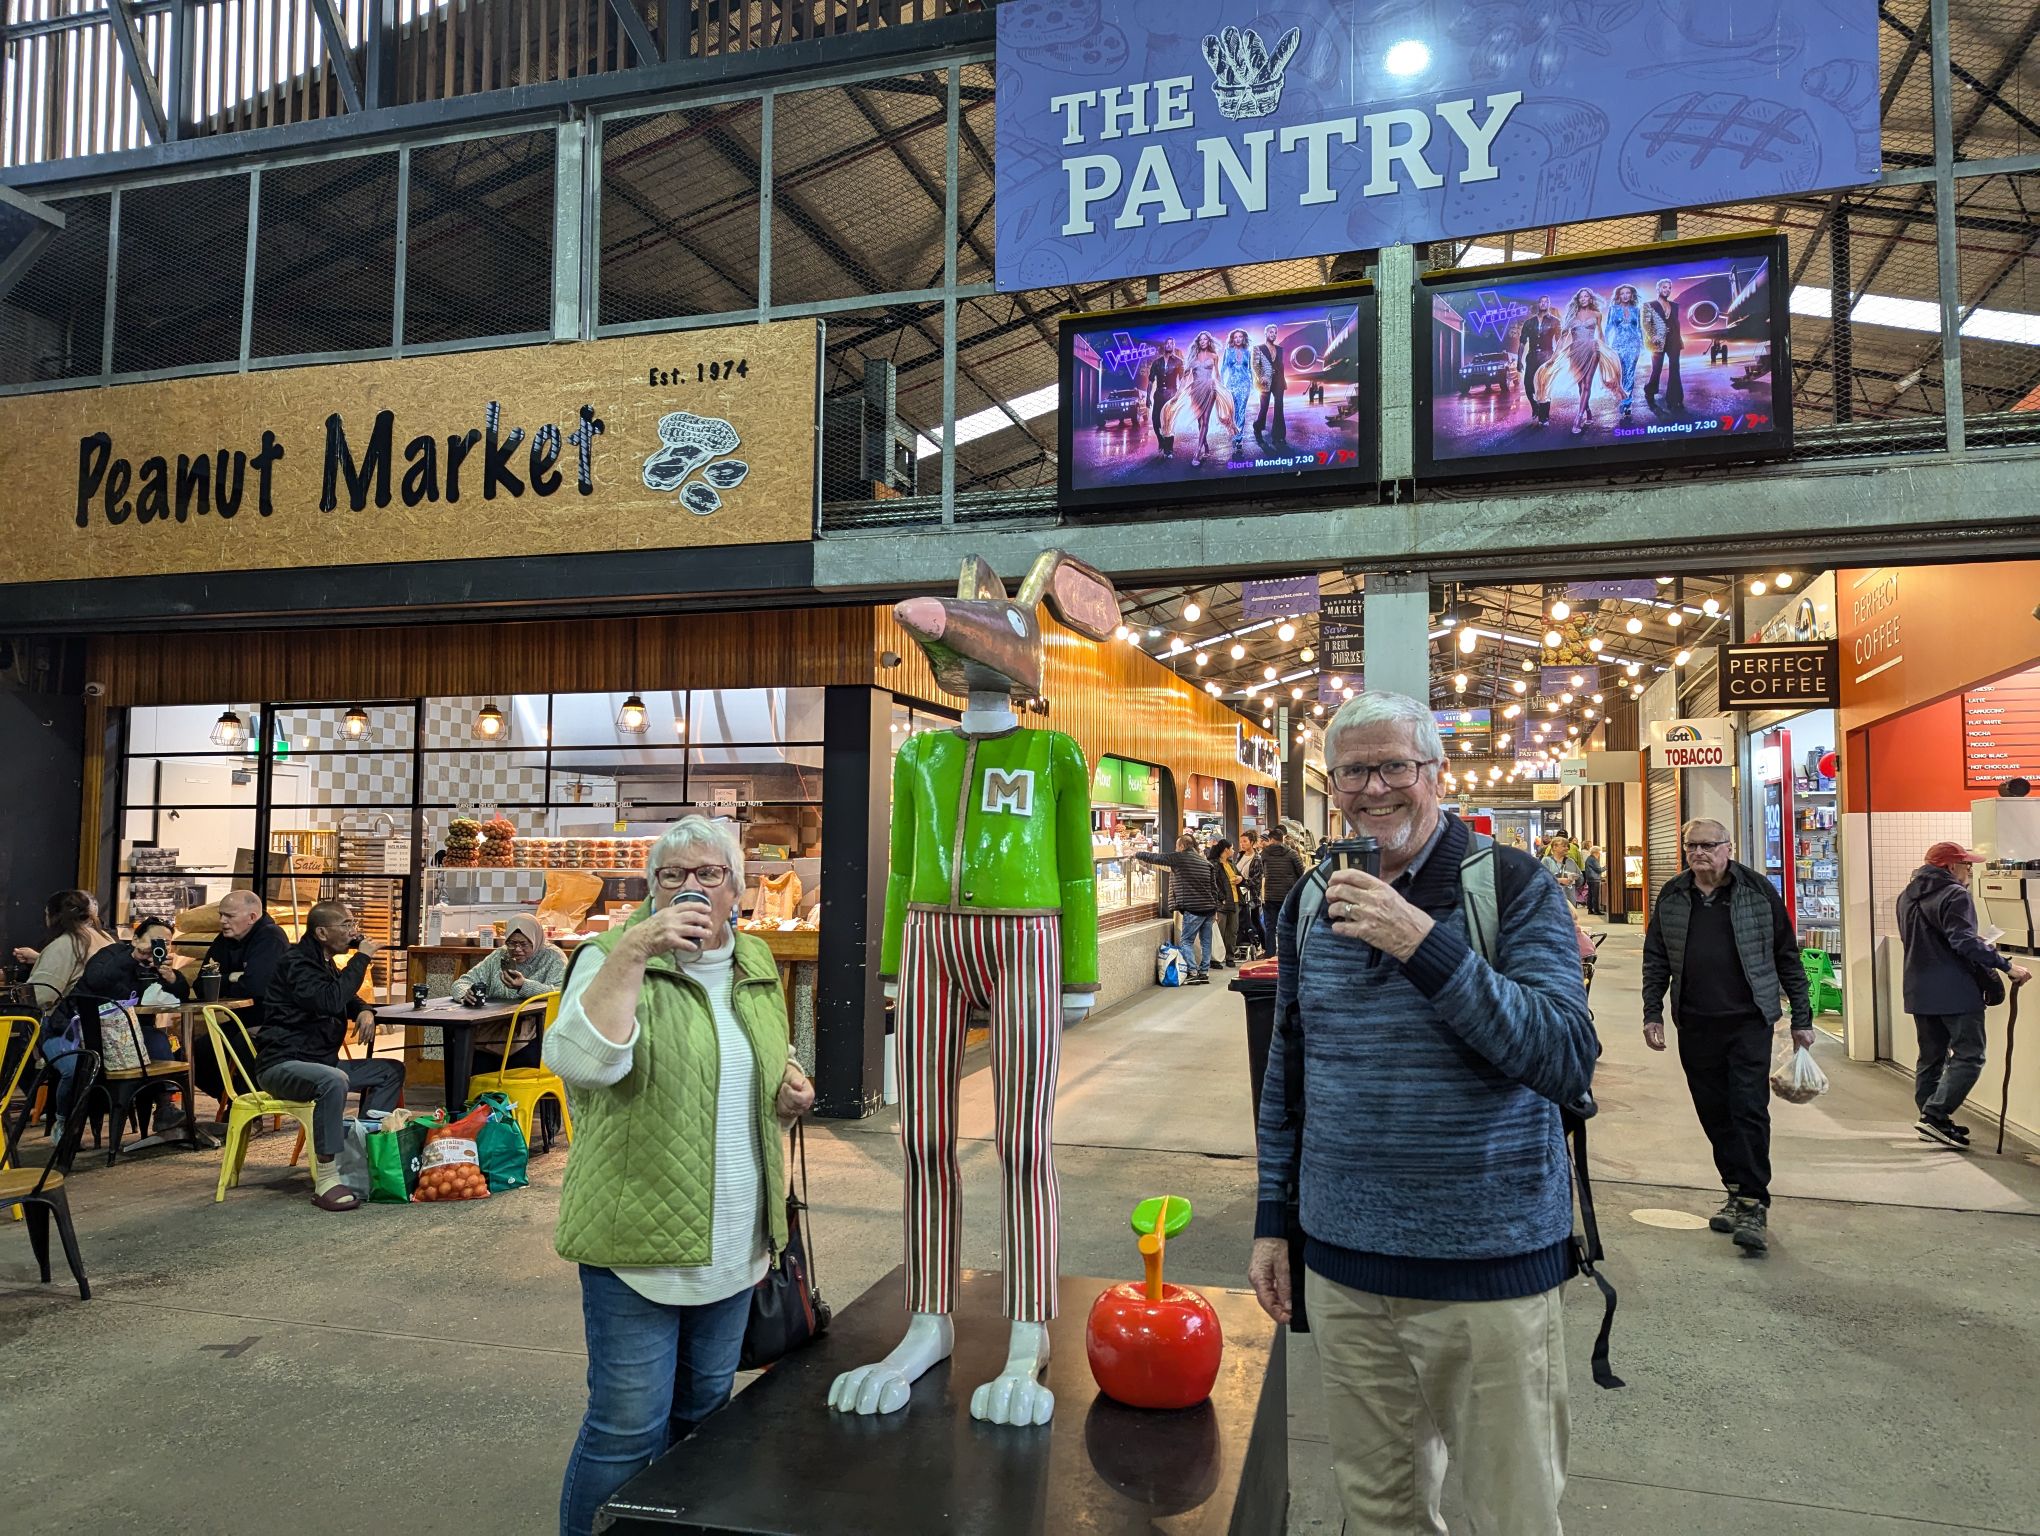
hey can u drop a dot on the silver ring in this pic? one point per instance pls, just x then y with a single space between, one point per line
1348 913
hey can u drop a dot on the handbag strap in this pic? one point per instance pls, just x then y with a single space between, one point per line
797 1143
2011 1039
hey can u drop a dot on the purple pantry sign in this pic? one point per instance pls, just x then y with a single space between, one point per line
1162 135
1279 596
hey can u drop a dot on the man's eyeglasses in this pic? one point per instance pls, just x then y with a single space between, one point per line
1396 773
708 876
1704 847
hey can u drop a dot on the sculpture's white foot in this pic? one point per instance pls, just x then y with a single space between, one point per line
1017 1395
884 1387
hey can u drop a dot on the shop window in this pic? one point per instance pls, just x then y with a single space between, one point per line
591 719
450 722
754 714
333 779
347 727
181 727
482 778
190 781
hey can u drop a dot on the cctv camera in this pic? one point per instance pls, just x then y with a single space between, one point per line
888 658
95 690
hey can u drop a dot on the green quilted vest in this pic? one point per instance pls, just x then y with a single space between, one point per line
640 1182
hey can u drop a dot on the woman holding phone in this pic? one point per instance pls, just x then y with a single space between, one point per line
672 1039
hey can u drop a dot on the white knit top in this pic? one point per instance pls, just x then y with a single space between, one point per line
585 1058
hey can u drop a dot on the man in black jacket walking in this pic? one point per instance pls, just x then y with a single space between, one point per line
1945 961
308 1013
1720 940
1193 891
1276 870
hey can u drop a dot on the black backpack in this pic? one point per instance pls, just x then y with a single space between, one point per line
1482 876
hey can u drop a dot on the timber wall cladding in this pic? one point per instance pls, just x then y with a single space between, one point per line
789 648
527 451
1114 699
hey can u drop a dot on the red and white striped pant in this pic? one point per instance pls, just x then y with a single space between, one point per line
951 962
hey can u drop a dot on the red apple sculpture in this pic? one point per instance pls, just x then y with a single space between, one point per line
1152 1344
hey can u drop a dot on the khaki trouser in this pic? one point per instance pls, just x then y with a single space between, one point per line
1407 1381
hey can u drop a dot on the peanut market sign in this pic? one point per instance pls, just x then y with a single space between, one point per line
1159 136
667 442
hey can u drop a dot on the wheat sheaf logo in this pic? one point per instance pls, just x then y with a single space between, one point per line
1246 77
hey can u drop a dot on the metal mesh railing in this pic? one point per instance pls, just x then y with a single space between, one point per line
858 188
680 213
881 400
2000 299
479 239
53 321
183 271
326 259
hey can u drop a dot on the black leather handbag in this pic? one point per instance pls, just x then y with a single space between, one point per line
787 1309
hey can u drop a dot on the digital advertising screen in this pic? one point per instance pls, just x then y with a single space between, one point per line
1667 354
1247 396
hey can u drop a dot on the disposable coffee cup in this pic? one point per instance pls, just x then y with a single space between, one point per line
208 986
1362 853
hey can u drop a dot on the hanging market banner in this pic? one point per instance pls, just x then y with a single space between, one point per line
1156 137
678 441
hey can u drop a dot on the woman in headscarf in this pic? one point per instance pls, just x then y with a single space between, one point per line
1236 373
1584 350
524 966
1201 395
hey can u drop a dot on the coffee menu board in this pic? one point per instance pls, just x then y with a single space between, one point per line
2001 731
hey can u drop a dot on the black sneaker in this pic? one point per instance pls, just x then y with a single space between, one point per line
1723 1220
1200 978
1932 1128
1751 1223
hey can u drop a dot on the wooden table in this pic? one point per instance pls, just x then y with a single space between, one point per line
457 1026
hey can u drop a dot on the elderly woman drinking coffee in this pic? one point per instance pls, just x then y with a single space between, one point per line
524 966
672 1040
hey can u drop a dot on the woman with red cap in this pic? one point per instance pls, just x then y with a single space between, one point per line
1949 971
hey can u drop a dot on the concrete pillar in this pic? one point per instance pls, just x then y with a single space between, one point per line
1397 630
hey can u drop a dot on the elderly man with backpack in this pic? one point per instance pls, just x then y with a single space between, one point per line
1437 1013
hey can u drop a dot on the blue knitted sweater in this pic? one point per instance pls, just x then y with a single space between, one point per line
1428 1155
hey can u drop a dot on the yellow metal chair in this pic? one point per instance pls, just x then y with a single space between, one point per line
526 1087
22 1033
246 1103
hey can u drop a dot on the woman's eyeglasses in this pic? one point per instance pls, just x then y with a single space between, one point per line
707 876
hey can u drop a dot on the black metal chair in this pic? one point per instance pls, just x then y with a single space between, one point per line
41 1194
127 1089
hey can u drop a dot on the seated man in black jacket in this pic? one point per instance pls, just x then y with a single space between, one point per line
247 950
308 1011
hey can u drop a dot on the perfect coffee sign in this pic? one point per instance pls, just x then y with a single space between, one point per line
1781 675
1163 135
670 442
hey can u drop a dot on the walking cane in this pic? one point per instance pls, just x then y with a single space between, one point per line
2011 1037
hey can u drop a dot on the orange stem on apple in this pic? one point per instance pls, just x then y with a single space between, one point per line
1151 1249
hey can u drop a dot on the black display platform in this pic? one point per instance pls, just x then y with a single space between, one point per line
779 1462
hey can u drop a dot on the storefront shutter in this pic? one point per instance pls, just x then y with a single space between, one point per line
1661 830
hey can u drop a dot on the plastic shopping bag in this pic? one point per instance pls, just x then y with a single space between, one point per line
450 1168
1795 1076
354 1136
1170 966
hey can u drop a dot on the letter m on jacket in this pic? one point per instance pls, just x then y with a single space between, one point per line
1009 793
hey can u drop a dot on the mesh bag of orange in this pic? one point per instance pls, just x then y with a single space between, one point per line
449 1169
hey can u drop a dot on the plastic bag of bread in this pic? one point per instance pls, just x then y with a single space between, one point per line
568 896
450 1168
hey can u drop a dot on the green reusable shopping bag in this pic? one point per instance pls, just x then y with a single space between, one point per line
500 1146
393 1160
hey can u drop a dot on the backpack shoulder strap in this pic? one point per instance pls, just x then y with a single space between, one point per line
1310 901
1479 900
1587 1251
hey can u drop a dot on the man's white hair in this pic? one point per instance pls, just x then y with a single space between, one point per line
1374 708
698 835
1705 821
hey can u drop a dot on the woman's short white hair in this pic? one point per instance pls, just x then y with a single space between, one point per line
1387 709
697 834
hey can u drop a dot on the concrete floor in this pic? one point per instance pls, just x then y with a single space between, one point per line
254 1365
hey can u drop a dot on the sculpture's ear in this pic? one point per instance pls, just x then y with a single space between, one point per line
980 581
1082 597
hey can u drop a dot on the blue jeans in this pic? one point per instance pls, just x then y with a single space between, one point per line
654 1372
63 1055
1196 928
